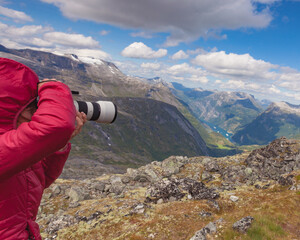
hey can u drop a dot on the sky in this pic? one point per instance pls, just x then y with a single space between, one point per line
227 45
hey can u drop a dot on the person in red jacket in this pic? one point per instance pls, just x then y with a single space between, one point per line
34 144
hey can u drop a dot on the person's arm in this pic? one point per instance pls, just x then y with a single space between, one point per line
54 164
49 130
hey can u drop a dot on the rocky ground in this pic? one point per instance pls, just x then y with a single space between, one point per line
248 196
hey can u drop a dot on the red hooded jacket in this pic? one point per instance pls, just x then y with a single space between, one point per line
29 156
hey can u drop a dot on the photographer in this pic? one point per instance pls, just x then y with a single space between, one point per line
34 144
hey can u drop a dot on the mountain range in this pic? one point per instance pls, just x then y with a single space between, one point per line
279 119
156 119
228 110
251 121
152 123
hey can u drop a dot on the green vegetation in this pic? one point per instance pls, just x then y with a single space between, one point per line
218 145
267 127
265 227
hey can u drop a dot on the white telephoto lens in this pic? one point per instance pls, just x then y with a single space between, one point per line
108 112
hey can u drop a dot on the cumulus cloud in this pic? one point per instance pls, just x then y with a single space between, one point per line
186 72
72 40
45 39
179 55
152 66
29 30
236 66
140 50
199 18
17 16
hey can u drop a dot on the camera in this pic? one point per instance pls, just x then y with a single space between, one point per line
100 111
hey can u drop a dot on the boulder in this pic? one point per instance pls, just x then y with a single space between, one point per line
175 189
201 234
243 224
77 194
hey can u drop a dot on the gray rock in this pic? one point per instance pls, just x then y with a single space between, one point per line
152 175
115 180
243 225
286 181
171 166
174 189
198 190
234 198
126 179
248 171
56 190
98 186
205 214
201 234
164 190
138 208
211 166
205 176
77 194
60 222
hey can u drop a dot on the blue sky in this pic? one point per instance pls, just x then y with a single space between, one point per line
233 45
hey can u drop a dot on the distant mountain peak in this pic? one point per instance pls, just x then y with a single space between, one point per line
284 107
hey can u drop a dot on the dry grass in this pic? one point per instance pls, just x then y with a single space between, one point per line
276 212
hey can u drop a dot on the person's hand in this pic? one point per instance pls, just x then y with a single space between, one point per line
80 121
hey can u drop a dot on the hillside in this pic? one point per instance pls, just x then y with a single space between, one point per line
247 196
279 119
227 110
95 77
145 130
145 138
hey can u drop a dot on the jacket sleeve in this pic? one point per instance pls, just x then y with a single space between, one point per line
54 164
49 130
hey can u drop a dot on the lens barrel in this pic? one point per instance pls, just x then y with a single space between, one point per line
100 111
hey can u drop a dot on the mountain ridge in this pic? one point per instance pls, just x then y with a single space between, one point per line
279 119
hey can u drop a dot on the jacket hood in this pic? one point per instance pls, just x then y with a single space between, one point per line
18 88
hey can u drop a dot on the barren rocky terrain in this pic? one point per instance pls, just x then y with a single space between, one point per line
247 196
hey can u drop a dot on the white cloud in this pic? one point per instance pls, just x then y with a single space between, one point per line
71 40
15 15
236 66
201 18
179 55
196 51
187 72
183 69
151 66
140 50
196 78
104 32
28 30
274 89
45 39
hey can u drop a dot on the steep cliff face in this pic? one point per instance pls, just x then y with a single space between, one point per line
279 119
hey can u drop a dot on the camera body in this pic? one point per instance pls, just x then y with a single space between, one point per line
100 111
